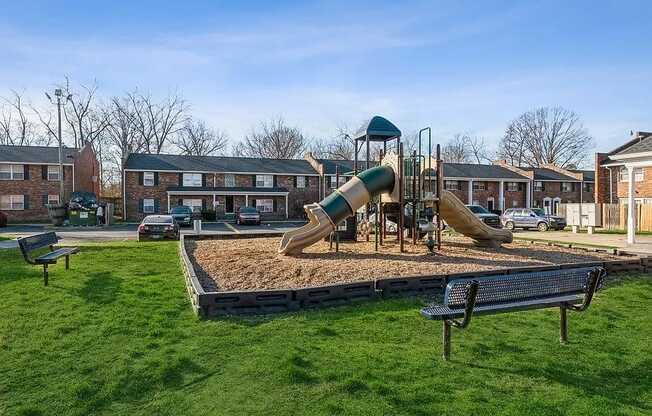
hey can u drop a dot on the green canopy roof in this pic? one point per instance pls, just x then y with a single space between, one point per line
378 129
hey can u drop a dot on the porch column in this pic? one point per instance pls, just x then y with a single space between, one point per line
286 207
631 207
214 200
501 197
470 198
168 202
528 194
246 200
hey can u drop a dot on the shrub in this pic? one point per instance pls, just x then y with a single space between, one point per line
208 215
3 219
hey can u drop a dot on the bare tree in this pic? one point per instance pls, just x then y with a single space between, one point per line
121 129
546 135
15 127
197 139
273 139
456 150
157 123
479 150
85 120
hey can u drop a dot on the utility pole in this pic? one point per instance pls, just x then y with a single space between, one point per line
59 93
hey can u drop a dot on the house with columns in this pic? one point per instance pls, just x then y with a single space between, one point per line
624 176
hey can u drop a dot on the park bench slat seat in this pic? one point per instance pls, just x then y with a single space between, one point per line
38 241
567 289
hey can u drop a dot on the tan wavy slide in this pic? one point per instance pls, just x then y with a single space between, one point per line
462 220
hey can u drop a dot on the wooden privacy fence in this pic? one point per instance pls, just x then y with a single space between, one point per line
614 216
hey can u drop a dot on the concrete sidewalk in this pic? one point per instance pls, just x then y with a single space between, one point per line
643 242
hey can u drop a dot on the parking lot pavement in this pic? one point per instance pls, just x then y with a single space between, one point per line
128 231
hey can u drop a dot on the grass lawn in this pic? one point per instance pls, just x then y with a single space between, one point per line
2 237
115 336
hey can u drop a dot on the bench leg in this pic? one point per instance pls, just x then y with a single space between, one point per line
563 325
45 274
446 340
67 262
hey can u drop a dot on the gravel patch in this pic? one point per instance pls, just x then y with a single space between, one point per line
246 264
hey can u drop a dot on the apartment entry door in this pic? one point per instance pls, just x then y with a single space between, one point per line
229 204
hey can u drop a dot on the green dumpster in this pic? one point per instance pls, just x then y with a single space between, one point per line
73 217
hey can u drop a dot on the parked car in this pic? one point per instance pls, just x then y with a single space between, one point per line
532 218
485 216
247 215
157 227
182 215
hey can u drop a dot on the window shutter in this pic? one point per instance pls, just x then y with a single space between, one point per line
45 200
203 204
140 177
203 179
307 181
44 172
140 205
253 180
543 186
295 181
274 181
179 201
253 202
520 186
274 209
26 172
155 178
26 201
157 205
180 179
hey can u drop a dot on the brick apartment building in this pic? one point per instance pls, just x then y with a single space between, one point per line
29 178
280 188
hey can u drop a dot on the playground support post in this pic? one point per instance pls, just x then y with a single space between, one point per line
414 197
400 197
440 182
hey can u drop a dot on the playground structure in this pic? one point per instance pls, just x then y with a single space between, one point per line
399 184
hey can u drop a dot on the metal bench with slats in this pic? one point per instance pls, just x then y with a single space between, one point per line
38 241
566 289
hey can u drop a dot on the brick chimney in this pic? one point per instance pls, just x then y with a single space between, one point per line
314 163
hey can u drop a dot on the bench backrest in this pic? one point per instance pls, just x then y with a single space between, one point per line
34 242
517 287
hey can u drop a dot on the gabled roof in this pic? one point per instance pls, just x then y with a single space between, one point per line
252 189
545 174
589 175
36 154
345 166
162 162
641 144
470 170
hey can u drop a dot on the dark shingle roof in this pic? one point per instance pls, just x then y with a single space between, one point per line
642 144
345 166
469 170
142 161
545 174
35 154
589 175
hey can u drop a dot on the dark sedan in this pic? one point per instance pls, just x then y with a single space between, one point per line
182 215
485 216
158 227
248 215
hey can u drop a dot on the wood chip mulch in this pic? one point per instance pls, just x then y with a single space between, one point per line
247 264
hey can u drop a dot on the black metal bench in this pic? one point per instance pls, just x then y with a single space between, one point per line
38 241
566 289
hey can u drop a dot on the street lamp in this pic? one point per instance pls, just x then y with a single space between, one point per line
58 93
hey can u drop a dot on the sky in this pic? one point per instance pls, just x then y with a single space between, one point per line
456 66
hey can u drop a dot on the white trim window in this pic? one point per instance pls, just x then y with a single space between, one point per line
479 186
265 205
538 186
148 206
12 202
148 178
194 204
192 179
229 180
53 199
451 185
12 172
301 181
264 181
639 175
566 187
53 172
512 186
